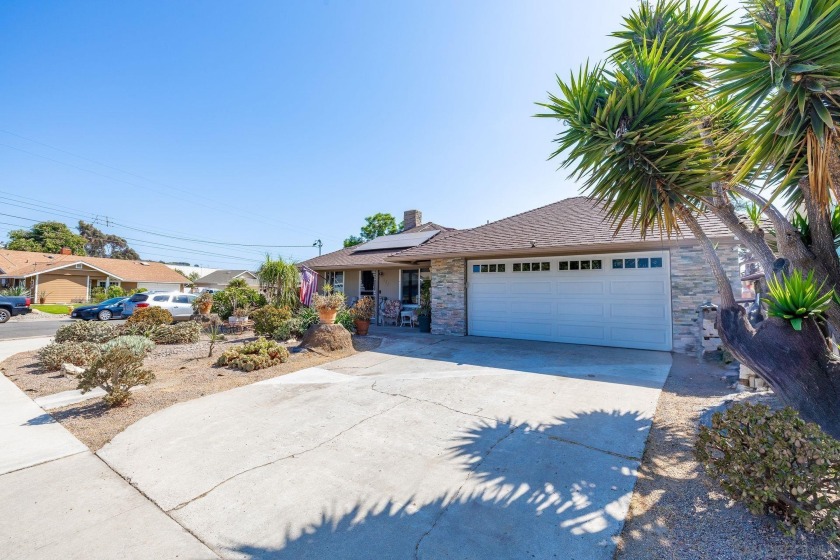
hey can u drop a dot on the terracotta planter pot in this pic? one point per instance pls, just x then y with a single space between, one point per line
204 309
362 327
327 315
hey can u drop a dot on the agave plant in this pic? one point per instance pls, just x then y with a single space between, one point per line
797 297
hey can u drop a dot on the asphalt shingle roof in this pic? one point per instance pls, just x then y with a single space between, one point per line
25 263
225 276
571 224
353 257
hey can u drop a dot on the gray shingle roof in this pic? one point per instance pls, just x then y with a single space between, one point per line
353 257
225 276
572 224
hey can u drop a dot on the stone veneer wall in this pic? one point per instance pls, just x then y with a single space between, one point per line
692 284
449 296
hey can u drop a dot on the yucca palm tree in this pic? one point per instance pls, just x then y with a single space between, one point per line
688 116
279 280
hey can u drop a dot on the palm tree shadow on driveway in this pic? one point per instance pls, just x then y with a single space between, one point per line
527 492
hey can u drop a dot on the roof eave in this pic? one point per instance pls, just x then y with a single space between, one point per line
556 249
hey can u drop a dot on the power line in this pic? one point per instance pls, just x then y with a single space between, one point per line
96 218
192 195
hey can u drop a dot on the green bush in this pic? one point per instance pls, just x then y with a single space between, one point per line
51 356
774 462
283 332
345 319
151 316
86 331
236 296
303 319
255 355
187 332
117 371
140 345
268 319
797 297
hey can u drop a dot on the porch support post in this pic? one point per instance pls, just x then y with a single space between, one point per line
35 295
87 288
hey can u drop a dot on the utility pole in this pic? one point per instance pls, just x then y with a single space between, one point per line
319 245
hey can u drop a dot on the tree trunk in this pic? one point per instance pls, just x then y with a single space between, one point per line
798 365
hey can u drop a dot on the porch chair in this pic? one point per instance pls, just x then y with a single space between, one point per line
392 312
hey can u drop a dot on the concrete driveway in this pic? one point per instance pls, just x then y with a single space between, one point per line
430 447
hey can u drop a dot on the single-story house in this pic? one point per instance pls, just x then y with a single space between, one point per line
363 270
219 279
557 273
68 278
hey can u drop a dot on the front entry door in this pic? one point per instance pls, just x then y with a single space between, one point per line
367 286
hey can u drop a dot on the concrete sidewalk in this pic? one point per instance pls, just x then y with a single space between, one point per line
58 500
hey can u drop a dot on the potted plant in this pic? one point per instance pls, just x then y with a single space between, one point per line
203 303
328 304
42 297
424 312
362 313
239 315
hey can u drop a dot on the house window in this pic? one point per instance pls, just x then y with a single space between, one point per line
529 267
79 265
336 280
479 268
641 262
101 283
410 286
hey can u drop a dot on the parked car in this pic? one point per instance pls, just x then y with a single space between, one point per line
103 311
14 305
180 305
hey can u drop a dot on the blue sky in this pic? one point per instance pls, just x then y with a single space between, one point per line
278 123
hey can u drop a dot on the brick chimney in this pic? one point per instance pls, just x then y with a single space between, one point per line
66 251
412 219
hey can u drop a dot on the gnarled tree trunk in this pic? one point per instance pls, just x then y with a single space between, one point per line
798 365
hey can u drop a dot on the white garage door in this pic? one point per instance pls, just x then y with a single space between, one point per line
619 300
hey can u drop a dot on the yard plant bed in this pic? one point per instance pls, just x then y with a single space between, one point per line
182 372
677 511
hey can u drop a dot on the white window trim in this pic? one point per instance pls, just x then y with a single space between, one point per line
399 284
329 278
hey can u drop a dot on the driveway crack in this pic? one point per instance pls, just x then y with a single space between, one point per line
373 388
460 488
291 455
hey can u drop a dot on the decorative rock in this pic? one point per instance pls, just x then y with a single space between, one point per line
327 339
70 370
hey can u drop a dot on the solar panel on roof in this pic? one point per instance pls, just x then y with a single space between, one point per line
396 241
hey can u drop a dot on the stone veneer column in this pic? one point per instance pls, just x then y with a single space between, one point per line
692 284
449 301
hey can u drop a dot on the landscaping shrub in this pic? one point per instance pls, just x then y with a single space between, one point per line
268 319
140 345
261 353
51 356
150 317
774 462
236 296
345 319
188 332
303 319
86 331
116 370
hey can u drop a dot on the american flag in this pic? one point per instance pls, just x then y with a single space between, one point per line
308 285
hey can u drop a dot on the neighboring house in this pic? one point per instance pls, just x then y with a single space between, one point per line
67 278
363 270
187 270
558 273
219 279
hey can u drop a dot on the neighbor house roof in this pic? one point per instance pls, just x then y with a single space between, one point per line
572 225
223 277
21 264
359 257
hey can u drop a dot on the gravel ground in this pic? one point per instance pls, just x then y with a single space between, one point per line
36 315
182 372
677 512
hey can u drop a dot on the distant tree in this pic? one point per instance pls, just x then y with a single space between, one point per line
376 225
101 244
46 237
